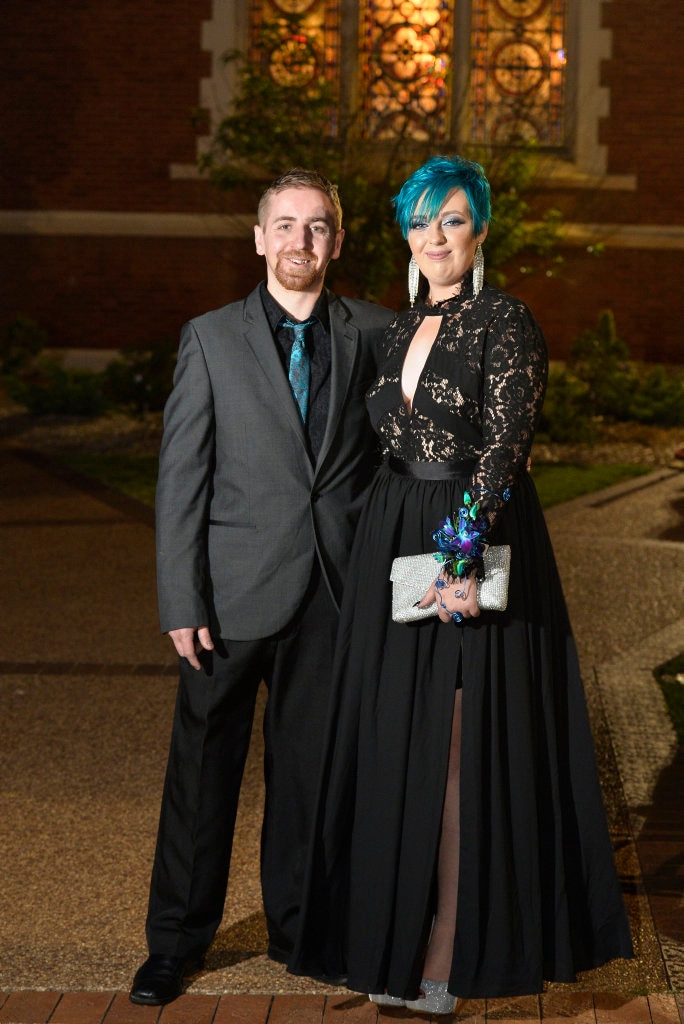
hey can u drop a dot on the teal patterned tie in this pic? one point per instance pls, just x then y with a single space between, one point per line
300 365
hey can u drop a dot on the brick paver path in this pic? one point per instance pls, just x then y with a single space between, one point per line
25 1007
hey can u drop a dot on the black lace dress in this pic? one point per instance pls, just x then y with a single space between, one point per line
538 894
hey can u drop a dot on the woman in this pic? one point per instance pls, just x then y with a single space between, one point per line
461 847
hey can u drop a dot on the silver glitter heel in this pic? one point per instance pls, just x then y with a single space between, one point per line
382 999
437 999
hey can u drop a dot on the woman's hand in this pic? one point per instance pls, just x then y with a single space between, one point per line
453 598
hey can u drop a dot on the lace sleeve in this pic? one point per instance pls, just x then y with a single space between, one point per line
515 372
514 369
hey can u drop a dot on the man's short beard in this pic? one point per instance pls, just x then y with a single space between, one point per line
297 282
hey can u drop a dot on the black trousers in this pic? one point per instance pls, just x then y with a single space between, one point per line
210 739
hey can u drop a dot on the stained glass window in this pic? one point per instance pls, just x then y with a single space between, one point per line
297 41
403 63
405 53
518 71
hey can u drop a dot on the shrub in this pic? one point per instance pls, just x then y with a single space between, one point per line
54 390
141 380
565 416
659 398
601 359
601 382
20 342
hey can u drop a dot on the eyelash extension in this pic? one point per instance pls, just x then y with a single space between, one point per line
448 222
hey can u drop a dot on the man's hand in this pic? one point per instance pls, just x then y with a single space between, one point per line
459 597
187 646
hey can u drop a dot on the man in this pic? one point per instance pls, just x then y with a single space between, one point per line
260 483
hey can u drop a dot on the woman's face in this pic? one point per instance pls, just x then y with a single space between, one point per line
444 248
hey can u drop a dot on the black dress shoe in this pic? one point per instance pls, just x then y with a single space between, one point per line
160 979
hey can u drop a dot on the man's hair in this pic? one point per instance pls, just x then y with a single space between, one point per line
298 177
423 194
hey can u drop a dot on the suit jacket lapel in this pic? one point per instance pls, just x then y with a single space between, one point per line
344 340
258 336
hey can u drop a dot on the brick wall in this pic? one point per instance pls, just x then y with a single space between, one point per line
641 287
96 104
121 292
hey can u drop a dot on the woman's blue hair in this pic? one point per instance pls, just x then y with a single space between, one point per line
423 194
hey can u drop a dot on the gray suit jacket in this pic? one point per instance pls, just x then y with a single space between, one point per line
240 509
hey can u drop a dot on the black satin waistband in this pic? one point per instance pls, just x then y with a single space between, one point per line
431 470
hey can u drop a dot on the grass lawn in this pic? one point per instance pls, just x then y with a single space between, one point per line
136 475
557 482
132 474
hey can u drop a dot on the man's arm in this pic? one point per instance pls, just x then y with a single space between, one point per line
186 464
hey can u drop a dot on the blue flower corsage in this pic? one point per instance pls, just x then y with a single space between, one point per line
461 545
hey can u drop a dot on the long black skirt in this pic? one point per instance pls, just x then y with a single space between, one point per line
538 894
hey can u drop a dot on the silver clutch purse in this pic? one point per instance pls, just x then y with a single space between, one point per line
412 575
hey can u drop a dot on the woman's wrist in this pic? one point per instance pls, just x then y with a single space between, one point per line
462 544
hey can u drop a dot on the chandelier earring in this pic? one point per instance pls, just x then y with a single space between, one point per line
478 270
413 279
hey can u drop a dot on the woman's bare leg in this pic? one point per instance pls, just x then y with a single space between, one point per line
441 945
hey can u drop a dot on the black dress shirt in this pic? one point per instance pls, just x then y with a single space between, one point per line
319 347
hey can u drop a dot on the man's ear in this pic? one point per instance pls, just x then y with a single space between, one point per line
259 240
339 238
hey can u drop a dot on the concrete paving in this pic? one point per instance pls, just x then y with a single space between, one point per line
86 697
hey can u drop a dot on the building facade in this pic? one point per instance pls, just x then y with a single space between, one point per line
111 238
